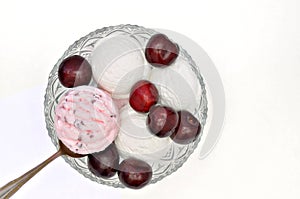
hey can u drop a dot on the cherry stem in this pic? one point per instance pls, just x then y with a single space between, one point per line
12 187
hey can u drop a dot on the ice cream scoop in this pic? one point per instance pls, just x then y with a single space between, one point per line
117 63
86 120
178 85
135 140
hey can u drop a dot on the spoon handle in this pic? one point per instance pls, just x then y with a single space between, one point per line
13 186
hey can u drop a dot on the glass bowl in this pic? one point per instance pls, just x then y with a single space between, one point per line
173 158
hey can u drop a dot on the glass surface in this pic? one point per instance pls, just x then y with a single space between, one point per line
173 158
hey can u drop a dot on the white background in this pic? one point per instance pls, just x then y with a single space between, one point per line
255 44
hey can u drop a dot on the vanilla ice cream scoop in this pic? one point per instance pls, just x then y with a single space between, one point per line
117 63
178 86
135 140
86 120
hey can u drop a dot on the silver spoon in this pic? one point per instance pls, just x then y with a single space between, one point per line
13 186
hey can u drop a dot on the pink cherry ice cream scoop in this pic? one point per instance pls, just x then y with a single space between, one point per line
86 120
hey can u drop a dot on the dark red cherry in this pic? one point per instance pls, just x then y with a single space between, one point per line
105 163
160 51
162 120
143 95
74 71
134 173
188 128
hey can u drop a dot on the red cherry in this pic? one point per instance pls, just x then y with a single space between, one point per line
74 71
160 51
104 163
134 173
162 120
143 95
187 130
